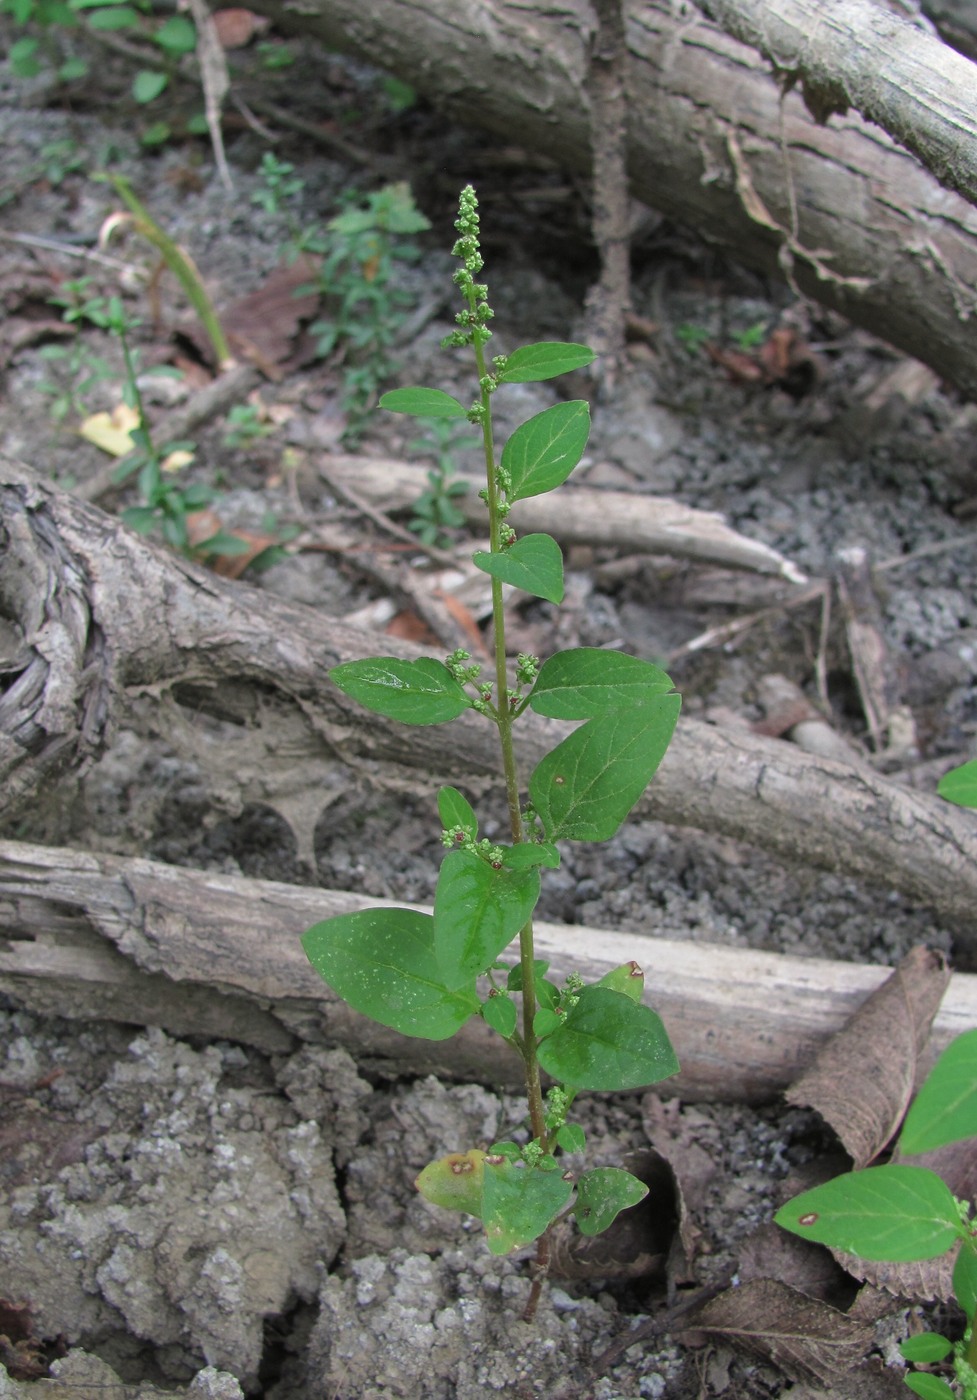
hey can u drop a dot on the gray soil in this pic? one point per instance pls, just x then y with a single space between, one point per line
199 1219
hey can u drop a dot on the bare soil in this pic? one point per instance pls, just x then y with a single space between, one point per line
185 1217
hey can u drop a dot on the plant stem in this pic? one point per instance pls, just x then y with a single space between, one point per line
504 719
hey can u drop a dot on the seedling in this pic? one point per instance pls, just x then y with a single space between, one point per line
426 975
434 513
362 251
899 1212
79 369
279 183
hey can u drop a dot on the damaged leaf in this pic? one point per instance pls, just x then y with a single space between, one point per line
805 1338
862 1080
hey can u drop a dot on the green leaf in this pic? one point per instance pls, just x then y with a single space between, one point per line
518 1202
545 360
628 978
929 1387
454 1182
571 1137
526 854
960 785
423 403
178 35
542 452
965 1279
382 962
601 1196
478 911
892 1213
607 1041
499 1012
545 1021
927 1347
118 17
414 692
586 682
147 85
585 787
534 564
454 809
945 1109
514 979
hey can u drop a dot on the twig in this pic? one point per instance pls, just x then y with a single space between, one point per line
661 1324
383 521
52 245
718 636
926 551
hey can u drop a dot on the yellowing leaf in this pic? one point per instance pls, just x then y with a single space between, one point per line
176 460
110 431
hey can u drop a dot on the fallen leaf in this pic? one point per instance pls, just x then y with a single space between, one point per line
769 1252
410 628
862 1080
236 27
111 431
263 325
804 1337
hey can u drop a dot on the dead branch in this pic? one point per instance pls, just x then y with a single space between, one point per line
97 621
99 936
713 143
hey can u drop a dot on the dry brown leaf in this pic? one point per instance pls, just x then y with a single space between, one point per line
236 27
411 628
804 1337
862 1081
263 326
769 1252
918 1281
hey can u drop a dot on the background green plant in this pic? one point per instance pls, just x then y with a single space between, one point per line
426 975
45 23
899 1212
434 514
363 252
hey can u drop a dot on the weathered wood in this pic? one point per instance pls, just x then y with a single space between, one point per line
85 935
103 621
713 143
858 53
604 519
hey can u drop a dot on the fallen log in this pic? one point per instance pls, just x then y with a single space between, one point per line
102 937
857 53
604 519
856 221
103 626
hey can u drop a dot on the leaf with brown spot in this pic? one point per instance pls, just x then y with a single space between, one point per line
862 1081
807 1339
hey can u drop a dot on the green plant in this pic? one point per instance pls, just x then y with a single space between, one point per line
434 512
43 20
245 425
362 252
426 975
278 184
78 368
691 336
899 1212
